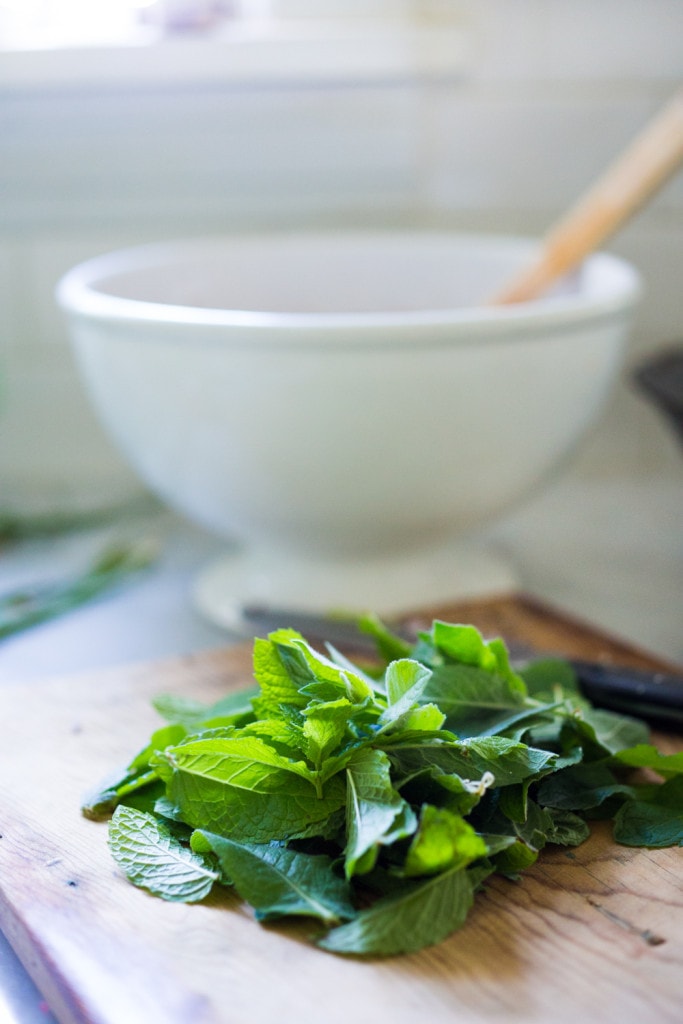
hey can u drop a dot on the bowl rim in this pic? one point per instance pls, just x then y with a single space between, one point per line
76 293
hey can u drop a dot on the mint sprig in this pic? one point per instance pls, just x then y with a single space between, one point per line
378 804
26 607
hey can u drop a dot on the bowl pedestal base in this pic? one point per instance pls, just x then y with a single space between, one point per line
386 585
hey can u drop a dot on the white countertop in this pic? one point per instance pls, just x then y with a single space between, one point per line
607 549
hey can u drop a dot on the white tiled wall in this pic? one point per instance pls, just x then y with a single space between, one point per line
84 174
7 325
158 158
557 89
503 149
623 44
552 91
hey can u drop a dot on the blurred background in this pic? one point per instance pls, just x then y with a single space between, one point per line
123 122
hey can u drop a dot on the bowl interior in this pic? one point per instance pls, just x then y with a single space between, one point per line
336 274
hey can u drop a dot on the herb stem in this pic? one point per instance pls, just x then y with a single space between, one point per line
23 608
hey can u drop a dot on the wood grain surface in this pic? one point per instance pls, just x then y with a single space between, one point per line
589 934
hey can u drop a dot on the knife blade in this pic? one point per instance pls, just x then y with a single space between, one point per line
654 696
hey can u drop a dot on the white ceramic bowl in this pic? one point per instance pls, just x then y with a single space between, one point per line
343 404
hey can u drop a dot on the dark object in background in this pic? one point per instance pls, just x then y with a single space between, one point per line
661 379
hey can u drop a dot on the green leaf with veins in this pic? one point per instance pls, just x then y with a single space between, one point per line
405 677
278 685
376 814
101 802
389 645
637 823
644 755
507 760
421 914
426 719
606 731
443 841
154 859
581 787
432 785
464 644
517 857
283 736
280 882
243 759
535 828
653 822
472 698
318 677
567 828
325 727
550 678
193 714
244 789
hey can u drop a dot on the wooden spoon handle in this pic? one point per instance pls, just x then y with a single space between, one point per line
640 170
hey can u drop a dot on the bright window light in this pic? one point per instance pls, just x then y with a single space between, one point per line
38 24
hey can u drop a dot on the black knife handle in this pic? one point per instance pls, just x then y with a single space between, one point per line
654 696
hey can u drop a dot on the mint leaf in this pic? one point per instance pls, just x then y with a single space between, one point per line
289 809
472 698
581 787
536 725
405 682
193 714
405 677
606 731
567 828
472 680
432 785
515 858
389 645
278 684
373 684
317 676
507 760
154 859
325 727
375 813
466 645
535 828
138 774
244 759
443 841
427 718
244 789
637 823
421 914
552 678
277 881
655 822
646 756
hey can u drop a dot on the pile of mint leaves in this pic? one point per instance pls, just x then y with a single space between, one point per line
378 799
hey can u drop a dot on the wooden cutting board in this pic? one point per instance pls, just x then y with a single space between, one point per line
590 934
